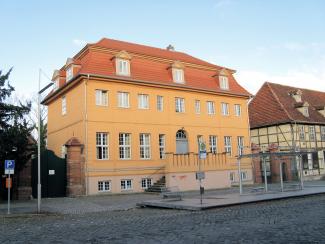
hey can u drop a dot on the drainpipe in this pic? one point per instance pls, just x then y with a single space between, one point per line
249 140
86 135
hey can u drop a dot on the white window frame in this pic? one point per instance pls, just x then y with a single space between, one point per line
225 109
227 143
104 186
124 148
302 134
224 82
232 176
101 97
56 84
143 101
197 105
69 73
160 103
123 67
178 75
237 110
322 133
240 145
145 147
126 184
102 142
211 107
306 111
179 105
243 175
162 146
146 183
123 99
213 143
64 105
312 133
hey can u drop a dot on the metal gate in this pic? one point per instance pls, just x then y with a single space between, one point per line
53 175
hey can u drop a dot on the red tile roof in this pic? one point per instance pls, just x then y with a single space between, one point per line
273 104
150 64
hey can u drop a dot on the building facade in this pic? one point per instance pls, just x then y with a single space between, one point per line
290 119
140 112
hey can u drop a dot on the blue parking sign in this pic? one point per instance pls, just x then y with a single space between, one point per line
9 166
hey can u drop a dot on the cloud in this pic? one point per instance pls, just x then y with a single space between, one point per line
253 80
79 43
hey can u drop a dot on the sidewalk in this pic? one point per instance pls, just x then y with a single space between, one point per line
102 203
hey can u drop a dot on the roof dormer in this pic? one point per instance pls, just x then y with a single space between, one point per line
223 78
178 72
321 109
71 68
303 108
296 94
58 79
122 63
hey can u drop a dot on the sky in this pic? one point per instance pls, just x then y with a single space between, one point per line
281 41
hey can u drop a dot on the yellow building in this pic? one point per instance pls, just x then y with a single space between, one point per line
140 112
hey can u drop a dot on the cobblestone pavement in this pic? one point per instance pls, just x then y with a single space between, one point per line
299 220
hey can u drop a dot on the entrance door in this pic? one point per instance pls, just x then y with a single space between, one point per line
181 142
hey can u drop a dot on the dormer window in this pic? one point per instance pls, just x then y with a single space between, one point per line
178 75
123 67
69 73
224 83
305 111
296 94
56 84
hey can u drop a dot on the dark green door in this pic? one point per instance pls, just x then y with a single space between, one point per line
53 175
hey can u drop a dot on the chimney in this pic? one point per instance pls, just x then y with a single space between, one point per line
170 48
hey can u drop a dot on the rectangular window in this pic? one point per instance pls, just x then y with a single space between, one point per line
104 186
224 84
123 67
312 135
197 106
160 103
123 99
145 146
211 107
101 98
178 75
146 183
240 143
162 145
56 84
143 101
101 145
225 109
69 74
126 184
302 132
322 129
125 145
232 176
213 144
179 105
64 105
237 110
244 175
227 141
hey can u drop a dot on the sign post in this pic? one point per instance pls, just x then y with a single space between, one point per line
200 175
9 169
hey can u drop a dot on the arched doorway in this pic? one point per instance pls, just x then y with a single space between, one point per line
181 142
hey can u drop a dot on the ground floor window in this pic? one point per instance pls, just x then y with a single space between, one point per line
232 176
146 183
126 184
244 175
104 186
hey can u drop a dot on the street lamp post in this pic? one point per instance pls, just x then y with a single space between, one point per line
39 186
